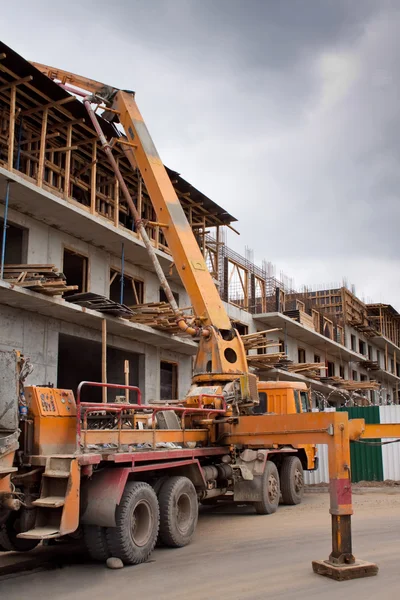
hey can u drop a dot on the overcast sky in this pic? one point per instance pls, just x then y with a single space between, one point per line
285 112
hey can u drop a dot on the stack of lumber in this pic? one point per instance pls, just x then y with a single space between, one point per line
312 370
255 341
40 278
332 380
351 385
156 314
265 361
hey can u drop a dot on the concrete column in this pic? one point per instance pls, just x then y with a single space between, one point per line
151 375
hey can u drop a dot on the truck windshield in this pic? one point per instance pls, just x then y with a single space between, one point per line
297 400
262 407
305 407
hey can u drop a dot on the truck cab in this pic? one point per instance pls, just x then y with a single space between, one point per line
283 398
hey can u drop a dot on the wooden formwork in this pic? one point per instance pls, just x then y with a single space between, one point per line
46 137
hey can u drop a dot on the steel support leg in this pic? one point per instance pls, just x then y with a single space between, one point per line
341 541
341 563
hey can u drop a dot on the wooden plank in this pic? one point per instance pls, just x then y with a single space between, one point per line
42 148
116 198
104 358
140 195
67 171
16 82
126 373
23 266
45 107
11 129
93 179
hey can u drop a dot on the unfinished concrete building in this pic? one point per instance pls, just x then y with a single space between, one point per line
342 348
72 263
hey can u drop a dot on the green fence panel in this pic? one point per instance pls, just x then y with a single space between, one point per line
366 461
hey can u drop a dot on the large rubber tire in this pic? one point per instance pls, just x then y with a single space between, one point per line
96 542
179 512
138 521
8 535
270 490
292 480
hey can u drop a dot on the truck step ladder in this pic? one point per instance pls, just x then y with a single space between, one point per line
57 509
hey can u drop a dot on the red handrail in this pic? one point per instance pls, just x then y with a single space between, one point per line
119 407
103 405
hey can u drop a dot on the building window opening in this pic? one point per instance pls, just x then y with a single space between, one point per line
132 289
16 244
168 380
79 359
163 296
241 328
301 354
75 269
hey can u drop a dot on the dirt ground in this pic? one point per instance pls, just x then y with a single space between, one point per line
237 554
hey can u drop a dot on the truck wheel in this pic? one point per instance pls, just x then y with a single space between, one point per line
270 490
158 483
179 511
8 535
138 519
96 542
292 480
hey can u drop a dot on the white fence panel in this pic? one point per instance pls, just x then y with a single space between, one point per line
321 475
390 452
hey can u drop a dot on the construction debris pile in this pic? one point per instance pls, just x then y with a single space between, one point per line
45 279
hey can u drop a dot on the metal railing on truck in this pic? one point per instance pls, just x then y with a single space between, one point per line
126 410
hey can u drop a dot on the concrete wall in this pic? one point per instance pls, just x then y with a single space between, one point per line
45 245
37 338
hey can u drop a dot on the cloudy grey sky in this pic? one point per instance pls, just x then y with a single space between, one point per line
285 112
